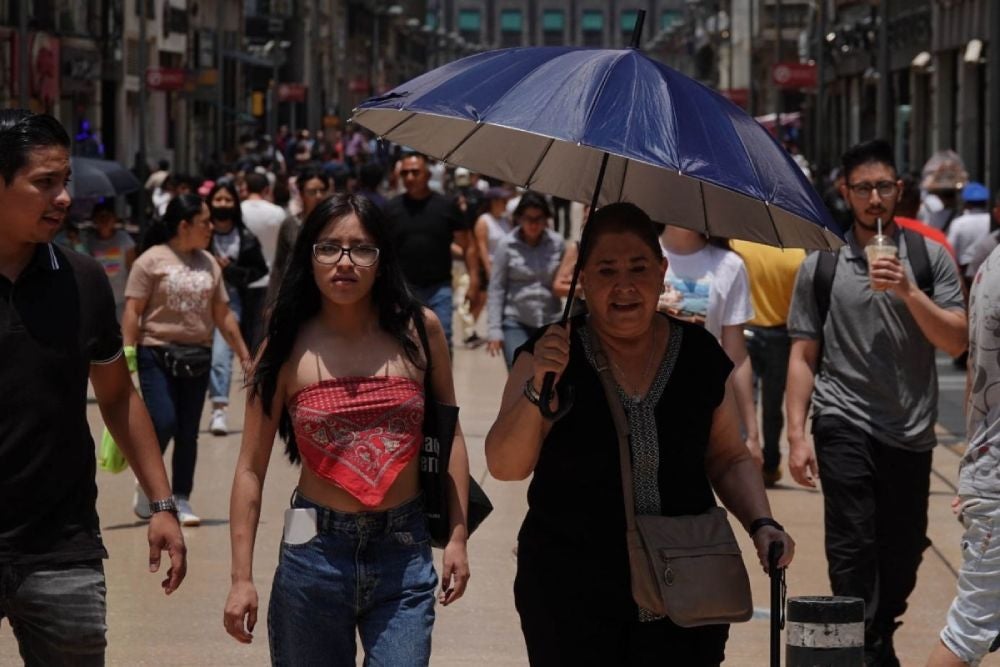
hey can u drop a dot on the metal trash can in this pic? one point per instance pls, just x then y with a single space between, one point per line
825 631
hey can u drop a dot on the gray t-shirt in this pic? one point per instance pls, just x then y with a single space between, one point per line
979 471
877 369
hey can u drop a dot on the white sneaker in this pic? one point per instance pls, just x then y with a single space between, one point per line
218 424
140 503
186 515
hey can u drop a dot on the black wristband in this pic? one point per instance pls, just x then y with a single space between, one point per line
757 524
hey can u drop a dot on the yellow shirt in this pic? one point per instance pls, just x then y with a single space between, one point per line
772 278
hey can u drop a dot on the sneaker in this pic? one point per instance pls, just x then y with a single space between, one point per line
218 424
140 503
771 477
473 341
186 515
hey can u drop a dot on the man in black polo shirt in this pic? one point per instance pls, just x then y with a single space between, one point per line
423 225
57 329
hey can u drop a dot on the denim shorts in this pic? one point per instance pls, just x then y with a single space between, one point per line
366 573
973 627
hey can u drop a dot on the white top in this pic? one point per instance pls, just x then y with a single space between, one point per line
714 284
496 229
264 219
964 231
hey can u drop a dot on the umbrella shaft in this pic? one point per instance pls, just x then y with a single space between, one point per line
583 239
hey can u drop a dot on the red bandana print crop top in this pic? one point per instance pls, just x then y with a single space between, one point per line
359 432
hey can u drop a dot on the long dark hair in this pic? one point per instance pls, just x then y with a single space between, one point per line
234 193
181 208
299 300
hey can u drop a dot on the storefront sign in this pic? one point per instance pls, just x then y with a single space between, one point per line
292 92
165 78
792 75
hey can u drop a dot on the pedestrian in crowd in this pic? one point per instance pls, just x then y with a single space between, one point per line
944 175
520 294
370 176
973 625
684 433
238 252
907 208
342 378
982 248
60 332
706 283
423 224
157 178
869 370
490 227
174 297
771 272
972 225
114 250
264 219
313 187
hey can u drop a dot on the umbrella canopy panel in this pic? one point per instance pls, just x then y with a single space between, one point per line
94 178
543 118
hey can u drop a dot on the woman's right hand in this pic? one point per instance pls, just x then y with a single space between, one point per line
494 347
240 615
551 353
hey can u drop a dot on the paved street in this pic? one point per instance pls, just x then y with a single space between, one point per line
482 629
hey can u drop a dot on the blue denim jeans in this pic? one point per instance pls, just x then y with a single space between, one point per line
57 612
175 407
515 335
768 349
440 299
222 356
371 573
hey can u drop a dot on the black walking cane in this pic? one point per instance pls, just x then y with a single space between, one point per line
566 395
774 553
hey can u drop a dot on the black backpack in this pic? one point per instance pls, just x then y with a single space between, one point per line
826 268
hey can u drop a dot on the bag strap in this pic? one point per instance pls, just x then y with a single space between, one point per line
920 261
621 427
826 269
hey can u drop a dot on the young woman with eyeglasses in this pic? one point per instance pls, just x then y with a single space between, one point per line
341 378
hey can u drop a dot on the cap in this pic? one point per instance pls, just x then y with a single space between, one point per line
497 193
975 192
462 177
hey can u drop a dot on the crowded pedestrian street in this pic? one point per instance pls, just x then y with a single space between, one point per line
185 629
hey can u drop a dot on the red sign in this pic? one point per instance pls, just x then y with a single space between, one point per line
359 85
794 75
165 78
738 96
292 92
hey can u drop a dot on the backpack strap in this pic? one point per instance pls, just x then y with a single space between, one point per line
826 269
920 261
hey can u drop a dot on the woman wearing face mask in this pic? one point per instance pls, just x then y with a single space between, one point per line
238 252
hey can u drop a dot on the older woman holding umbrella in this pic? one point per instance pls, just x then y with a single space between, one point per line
573 578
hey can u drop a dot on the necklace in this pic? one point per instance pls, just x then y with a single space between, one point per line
634 394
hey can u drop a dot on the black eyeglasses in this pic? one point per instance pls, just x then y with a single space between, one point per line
330 253
884 189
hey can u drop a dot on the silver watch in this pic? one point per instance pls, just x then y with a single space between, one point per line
165 505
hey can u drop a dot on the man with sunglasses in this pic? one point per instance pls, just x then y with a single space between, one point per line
423 225
868 369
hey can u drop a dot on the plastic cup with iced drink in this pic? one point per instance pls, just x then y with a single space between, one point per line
880 246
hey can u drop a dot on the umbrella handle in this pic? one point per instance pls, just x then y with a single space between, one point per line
566 398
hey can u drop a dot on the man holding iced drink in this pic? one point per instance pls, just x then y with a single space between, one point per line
867 365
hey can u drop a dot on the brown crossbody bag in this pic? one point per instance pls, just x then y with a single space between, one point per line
688 568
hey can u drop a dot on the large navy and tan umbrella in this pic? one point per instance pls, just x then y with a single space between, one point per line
608 125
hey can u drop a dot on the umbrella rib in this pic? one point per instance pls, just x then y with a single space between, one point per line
397 125
621 190
774 226
462 142
704 207
538 164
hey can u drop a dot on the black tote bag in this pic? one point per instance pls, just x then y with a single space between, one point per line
440 421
